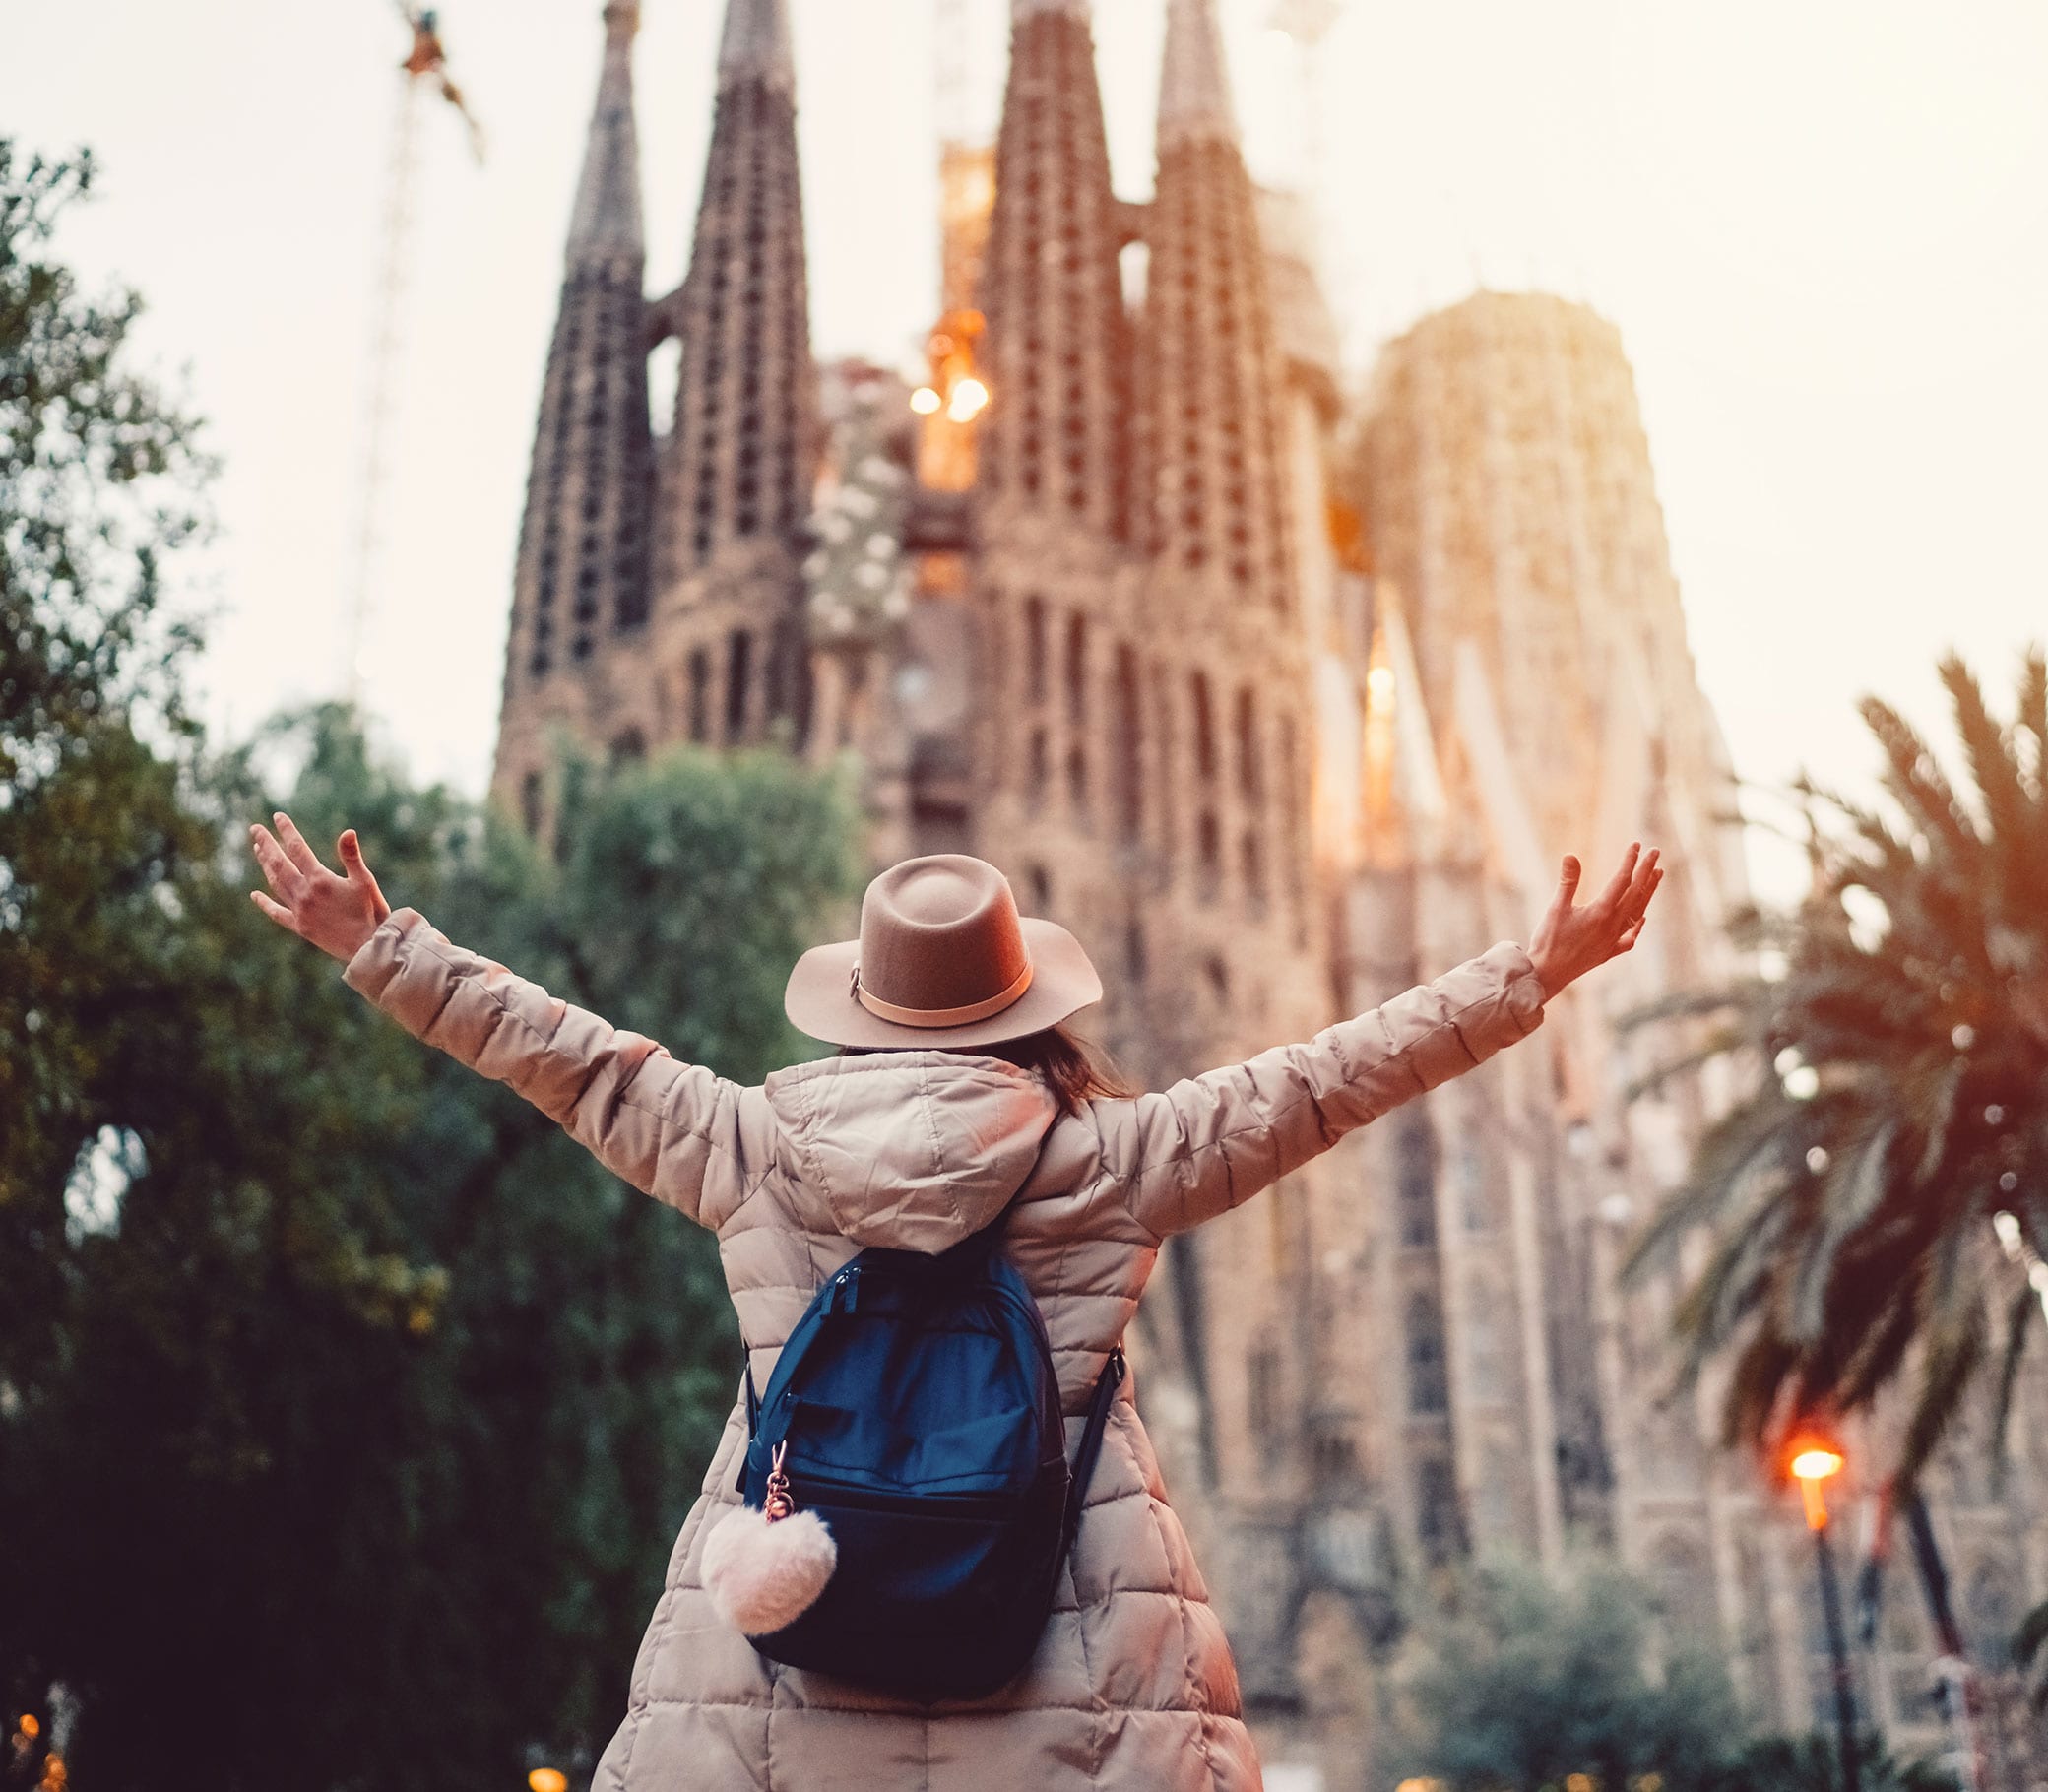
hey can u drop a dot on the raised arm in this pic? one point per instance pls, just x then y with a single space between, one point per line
670 1130
1214 1141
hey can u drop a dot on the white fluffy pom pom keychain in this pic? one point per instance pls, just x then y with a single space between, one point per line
765 1568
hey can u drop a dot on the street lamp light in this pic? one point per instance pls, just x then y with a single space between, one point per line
1814 1464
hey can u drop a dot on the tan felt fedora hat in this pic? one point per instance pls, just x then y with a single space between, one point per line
944 961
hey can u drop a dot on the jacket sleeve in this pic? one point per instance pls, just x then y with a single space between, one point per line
670 1130
1215 1140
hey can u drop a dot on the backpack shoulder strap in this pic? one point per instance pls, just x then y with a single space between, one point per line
1105 1385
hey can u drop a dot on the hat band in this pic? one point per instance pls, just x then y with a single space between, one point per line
940 1018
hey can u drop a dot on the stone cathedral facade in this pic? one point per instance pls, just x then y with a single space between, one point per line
1281 701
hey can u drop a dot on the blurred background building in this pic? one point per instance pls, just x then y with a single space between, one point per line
1283 696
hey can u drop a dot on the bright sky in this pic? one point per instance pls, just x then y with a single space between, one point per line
1822 230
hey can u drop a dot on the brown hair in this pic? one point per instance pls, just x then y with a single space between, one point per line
1074 1069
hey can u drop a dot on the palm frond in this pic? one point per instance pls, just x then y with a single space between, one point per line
1739 1144
1916 781
2021 1309
1954 1323
1851 1193
2001 781
1722 1042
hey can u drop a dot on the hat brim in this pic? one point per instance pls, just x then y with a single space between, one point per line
820 1001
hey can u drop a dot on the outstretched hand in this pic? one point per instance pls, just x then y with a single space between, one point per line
1570 941
336 914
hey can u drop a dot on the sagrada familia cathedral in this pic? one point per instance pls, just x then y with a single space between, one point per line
1282 697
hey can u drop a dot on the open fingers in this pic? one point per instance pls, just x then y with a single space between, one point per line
1618 885
277 911
283 877
301 853
1644 885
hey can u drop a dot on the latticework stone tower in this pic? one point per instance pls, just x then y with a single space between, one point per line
687 595
582 581
1057 440
738 465
1213 504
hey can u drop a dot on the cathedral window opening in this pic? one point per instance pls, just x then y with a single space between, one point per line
1128 746
530 801
1254 869
1077 781
1204 726
738 677
1428 1389
1036 768
1415 1182
1134 950
579 648
700 695
1040 885
1035 647
1209 850
628 747
1251 781
1218 975
1439 1524
1077 668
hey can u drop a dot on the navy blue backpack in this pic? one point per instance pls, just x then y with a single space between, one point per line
921 1412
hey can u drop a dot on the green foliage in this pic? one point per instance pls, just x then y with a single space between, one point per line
1813 1764
1898 1098
347 1410
1524 1684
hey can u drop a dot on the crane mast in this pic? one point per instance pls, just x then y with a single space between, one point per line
423 72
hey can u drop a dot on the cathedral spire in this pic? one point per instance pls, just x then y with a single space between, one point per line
1058 340
1214 505
745 436
582 572
1194 101
756 45
606 217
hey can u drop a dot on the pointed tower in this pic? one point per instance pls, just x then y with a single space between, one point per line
582 574
1057 341
745 446
1214 508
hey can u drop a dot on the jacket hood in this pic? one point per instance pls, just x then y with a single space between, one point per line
913 1150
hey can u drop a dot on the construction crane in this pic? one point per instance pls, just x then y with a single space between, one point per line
424 74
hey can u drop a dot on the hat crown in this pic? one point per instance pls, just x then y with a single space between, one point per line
940 933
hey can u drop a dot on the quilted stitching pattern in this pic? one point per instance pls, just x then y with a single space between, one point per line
1132 1687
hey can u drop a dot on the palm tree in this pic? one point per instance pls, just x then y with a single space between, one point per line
1877 1203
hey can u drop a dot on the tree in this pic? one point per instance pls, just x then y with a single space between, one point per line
1861 1199
1528 1684
347 1409
100 480
1523 1683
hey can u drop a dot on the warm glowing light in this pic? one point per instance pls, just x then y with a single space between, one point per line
1816 1464
969 397
1812 1465
547 1779
925 401
30 1725
1379 682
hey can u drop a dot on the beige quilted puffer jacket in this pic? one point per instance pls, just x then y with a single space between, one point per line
1132 1687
